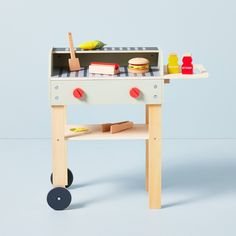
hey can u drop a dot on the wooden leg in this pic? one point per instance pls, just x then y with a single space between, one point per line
154 176
59 152
147 150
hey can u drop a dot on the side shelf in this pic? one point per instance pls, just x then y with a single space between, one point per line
199 73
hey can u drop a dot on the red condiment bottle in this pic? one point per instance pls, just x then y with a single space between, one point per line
187 67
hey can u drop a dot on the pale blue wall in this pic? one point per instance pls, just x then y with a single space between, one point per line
192 109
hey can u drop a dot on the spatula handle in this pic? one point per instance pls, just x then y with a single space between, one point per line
72 50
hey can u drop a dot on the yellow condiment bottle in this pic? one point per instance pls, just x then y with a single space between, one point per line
173 66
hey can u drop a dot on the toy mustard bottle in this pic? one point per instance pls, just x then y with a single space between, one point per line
173 66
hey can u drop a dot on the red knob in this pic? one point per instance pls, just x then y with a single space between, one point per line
78 93
134 92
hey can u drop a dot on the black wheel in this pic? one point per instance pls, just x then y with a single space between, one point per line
70 178
59 198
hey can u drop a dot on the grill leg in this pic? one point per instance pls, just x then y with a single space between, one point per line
147 149
154 147
59 152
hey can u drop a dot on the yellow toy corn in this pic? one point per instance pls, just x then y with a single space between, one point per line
77 130
90 45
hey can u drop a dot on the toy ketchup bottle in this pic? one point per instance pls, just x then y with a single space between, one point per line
187 67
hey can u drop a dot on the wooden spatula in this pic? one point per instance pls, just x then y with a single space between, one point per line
74 64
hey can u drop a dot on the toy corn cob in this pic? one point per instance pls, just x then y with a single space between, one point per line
90 45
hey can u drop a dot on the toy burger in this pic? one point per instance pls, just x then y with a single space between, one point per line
138 65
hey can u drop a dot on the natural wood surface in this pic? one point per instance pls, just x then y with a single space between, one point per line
147 148
74 64
107 126
139 131
154 170
121 127
71 46
59 152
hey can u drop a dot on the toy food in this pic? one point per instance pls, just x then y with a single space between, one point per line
138 65
105 68
90 45
187 67
173 66
78 129
117 127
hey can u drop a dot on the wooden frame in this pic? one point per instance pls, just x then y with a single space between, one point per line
151 132
147 147
59 149
61 94
154 156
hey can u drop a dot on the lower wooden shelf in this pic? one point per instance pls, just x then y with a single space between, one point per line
139 131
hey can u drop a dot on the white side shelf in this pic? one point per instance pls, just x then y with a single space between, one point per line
139 131
199 73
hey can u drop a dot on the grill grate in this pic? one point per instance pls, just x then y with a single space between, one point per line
84 72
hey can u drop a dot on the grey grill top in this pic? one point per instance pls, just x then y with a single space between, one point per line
60 73
110 49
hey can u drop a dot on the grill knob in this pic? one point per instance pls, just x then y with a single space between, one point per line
78 93
134 92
